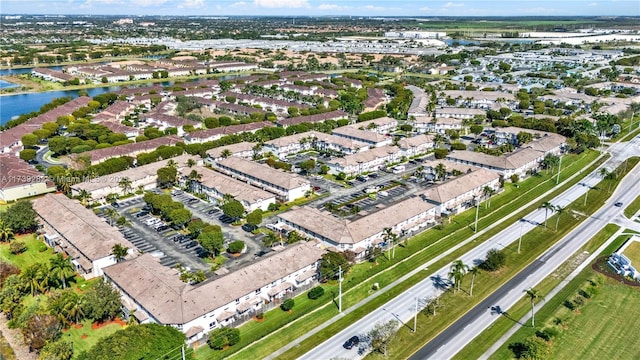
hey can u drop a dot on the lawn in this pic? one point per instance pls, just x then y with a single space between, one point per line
632 208
37 251
84 336
632 252
598 330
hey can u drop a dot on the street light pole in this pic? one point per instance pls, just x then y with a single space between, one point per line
340 288
520 240
415 317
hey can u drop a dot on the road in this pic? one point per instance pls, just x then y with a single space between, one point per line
474 322
402 307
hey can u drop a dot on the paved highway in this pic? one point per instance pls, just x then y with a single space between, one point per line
402 307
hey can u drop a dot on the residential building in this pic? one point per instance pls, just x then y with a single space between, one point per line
133 149
459 113
286 145
216 185
153 293
311 119
371 138
286 186
245 150
75 231
405 217
416 145
202 136
426 124
19 180
366 161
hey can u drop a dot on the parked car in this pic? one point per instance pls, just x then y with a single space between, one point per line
142 213
183 240
213 211
191 244
115 205
353 341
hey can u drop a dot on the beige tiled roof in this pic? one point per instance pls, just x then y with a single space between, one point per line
233 148
224 184
362 135
264 172
459 185
159 290
366 156
80 226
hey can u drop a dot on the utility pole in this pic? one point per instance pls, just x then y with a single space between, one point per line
475 227
520 240
559 166
415 317
182 349
340 289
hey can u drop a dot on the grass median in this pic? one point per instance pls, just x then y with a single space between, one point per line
412 255
598 326
632 208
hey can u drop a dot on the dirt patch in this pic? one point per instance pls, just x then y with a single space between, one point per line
258 320
118 321
77 326
84 336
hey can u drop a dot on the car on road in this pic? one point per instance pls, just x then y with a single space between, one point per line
353 341
618 204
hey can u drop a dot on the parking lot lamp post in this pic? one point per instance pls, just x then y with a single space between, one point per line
340 289
415 317
520 240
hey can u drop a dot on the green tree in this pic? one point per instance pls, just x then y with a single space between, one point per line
147 341
180 216
233 209
119 252
220 338
102 302
61 269
473 271
457 271
167 176
112 214
212 241
236 247
40 329
331 263
254 218
6 233
56 350
494 261
287 305
559 211
20 217
29 140
126 185
381 334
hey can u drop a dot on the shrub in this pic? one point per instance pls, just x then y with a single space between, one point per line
220 338
494 261
315 293
441 153
287 305
547 333
260 316
235 247
458 146
17 247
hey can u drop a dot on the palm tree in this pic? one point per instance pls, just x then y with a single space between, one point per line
546 206
6 233
111 214
119 252
172 164
533 295
390 238
74 307
441 171
456 272
488 192
34 279
612 176
473 271
84 196
194 177
191 162
226 153
125 184
60 268
559 210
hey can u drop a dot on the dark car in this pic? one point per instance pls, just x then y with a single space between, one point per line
618 204
191 244
213 211
353 341
162 228
115 205
142 213
183 240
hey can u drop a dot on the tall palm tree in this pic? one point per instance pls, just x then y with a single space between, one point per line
126 185
111 214
119 252
488 192
74 307
6 232
390 238
195 177
456 272
559 210
60 268
34 279
191 162
533 295
546 206
172 164
226 153
473 271
441 171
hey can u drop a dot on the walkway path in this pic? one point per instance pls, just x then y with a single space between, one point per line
14 338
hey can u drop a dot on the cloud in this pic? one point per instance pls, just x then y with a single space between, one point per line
191 4
425 8
275 4
452 5
375 8
333 7
239 4
147 3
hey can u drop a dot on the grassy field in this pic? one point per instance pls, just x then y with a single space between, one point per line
416 252
36 252
84 336
598 330
632 208
633 253
482 342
